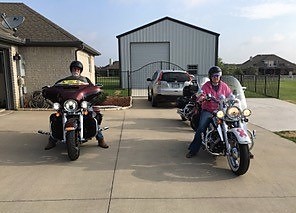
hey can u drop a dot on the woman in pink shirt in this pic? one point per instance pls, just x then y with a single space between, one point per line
216 88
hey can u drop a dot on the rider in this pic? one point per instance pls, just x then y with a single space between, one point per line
216 87
76 69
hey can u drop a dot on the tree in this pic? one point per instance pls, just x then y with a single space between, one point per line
229 69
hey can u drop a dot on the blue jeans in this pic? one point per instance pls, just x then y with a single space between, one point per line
204 121
99 135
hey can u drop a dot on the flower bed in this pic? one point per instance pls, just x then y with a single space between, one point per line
117 101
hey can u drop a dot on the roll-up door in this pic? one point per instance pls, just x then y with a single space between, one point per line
141 55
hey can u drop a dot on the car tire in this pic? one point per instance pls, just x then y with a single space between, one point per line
154 102
149 96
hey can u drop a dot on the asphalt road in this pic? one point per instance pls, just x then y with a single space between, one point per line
144 170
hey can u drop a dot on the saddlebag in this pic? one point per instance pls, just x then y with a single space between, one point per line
56 125
89 126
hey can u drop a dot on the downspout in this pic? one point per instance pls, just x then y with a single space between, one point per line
80 48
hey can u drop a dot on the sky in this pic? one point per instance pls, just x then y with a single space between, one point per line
246 27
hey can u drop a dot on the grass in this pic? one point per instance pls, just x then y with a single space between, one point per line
288 90
288 93
290 135
111 86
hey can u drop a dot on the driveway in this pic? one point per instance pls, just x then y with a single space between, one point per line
144 170
273 114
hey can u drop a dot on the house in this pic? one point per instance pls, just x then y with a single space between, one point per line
166 40
268 64
38 53
112 69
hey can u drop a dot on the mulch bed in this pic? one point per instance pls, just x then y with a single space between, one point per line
117 101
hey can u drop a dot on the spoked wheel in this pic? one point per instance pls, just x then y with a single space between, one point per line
239 157
73 145
194 122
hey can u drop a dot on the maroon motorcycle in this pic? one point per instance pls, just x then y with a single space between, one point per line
75 121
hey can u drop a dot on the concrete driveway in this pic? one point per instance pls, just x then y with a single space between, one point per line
273 114
144 170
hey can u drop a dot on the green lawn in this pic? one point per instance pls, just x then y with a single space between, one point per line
288 90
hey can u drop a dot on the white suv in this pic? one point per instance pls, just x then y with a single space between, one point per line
166 85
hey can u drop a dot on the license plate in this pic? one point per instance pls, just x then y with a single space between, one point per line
175 85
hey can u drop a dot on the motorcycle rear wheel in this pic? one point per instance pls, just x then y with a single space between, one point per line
239 157
73 145
194 122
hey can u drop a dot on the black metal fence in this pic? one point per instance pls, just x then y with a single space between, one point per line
267 85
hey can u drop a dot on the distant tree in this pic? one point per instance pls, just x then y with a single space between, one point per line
229 69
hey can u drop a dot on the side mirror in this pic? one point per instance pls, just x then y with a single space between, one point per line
148 79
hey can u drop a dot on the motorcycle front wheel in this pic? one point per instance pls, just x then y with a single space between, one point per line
239 156
73 145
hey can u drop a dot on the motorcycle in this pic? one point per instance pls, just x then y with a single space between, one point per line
227 134
187 104
188 108
75 120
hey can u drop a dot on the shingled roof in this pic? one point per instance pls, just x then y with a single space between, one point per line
8 37
37 30
259 61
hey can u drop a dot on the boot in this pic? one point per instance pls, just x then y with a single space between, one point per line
102 143
51 143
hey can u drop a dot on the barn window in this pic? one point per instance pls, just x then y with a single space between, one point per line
192 68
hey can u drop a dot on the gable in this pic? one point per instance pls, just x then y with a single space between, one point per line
170 20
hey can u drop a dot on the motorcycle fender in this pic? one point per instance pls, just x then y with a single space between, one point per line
71 124
241 135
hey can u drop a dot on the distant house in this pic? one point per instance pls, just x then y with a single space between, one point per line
111 69
38 53
268 64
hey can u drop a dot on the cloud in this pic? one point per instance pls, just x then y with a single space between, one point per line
261 40
268 10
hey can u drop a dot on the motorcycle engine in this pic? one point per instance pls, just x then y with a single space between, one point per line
215 145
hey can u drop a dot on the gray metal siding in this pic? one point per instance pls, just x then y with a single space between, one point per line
187 45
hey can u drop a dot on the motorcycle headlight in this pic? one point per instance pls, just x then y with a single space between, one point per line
233 112
70 105
56 106
247 112
84 104
220 114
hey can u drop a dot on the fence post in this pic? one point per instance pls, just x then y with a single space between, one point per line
256 83
279 82
128 83
265 93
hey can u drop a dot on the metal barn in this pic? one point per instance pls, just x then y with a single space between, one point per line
166 40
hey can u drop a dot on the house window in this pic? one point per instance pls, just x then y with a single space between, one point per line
192 69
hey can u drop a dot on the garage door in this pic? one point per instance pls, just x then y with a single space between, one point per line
141 55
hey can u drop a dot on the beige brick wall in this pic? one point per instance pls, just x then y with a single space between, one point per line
45 65
15 87
88 65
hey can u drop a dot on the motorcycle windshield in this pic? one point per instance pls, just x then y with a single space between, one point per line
71 82
236 88
71 89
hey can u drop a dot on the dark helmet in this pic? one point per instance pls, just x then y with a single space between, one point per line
76 64
215 70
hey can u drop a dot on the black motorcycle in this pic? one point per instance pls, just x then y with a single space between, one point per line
188 108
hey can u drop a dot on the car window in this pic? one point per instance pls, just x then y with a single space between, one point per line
175 76
154 76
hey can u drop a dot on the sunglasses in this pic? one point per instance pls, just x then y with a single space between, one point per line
216 76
